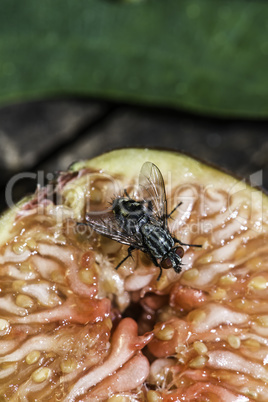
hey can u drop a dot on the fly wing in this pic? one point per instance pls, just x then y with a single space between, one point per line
107 225
152 188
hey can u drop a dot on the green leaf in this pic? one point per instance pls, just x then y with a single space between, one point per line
207 56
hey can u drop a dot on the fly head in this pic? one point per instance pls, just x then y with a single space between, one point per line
173 259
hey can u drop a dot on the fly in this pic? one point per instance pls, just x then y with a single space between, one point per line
143 224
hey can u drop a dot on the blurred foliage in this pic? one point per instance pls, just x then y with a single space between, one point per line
208 56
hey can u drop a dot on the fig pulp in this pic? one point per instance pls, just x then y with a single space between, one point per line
73 328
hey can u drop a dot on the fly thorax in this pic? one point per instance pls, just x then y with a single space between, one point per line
129 208
135 209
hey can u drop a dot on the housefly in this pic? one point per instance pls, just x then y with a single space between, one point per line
143 224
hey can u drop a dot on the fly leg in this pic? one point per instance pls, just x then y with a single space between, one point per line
177 240
173 210
126 193
186 244
157 265
160 274
129 251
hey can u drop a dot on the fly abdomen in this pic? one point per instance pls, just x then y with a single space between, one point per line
157 240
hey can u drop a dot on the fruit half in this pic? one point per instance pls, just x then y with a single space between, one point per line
72 328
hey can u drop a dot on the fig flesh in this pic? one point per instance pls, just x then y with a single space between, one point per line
72 328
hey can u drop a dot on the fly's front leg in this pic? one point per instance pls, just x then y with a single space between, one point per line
157 265
186 244
160 274
130 249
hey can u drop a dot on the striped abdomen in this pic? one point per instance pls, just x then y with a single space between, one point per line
157 240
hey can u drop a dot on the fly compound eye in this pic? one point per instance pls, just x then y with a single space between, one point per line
166 263
179 251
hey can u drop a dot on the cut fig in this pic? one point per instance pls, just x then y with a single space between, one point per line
73 328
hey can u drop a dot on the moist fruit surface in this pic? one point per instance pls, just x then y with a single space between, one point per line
72 328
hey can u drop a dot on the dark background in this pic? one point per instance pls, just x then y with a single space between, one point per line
94 75
48 135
